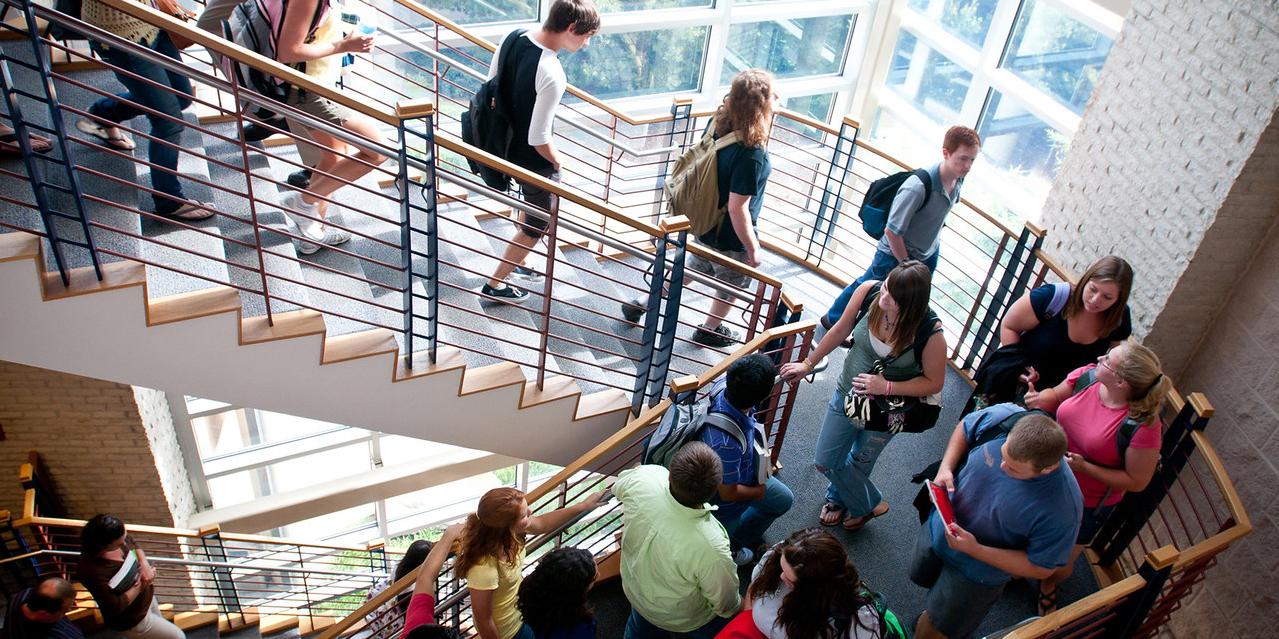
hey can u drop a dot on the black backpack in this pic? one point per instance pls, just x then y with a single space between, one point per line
487 123
71 8
879 199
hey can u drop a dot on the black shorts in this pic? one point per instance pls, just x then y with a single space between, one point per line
535 226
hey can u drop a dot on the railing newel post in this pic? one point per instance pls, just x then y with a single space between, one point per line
681 125
552 231
1130 615
223 578
661 320
422 111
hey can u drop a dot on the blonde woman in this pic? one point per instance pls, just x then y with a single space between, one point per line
1106 407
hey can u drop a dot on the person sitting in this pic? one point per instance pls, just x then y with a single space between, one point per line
1057 328
896 318
553 598
492 557
1109 411
1021 505
677 570
320 46
419 619
41 612
806 586
109 559
749 497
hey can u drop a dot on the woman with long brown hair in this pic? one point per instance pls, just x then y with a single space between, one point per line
1055 329
491 557
742 168
806 586
886 322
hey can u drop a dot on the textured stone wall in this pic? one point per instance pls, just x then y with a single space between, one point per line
157 422
93 440
1171 167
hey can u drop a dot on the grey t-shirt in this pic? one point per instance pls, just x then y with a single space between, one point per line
920 228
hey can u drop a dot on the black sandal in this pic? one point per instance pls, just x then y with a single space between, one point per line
831 508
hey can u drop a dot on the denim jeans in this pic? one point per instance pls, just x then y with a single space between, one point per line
637 627
880 265
847 452
748 529
163 100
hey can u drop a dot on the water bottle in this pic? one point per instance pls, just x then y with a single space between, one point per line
352 19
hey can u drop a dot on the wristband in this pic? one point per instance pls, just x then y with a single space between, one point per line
808 364
889 389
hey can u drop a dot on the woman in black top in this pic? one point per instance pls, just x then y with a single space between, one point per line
1042 342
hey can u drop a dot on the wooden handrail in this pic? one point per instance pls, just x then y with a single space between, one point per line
240 54
1092 603
1243 524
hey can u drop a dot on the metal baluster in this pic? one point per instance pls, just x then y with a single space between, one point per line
253 201
426 224
681 123
223 581
674 238
1132 613
837 172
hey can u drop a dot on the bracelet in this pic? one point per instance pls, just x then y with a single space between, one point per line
808 364
889 389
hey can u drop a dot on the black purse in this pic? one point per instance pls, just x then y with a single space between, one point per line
897 413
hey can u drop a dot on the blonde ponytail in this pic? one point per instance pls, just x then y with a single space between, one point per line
1149 386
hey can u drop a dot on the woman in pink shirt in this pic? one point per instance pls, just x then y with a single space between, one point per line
1092 404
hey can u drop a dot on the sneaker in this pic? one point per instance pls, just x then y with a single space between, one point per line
330 236
527 274
743 557
293 208
507 294
633 310
300 180
719 337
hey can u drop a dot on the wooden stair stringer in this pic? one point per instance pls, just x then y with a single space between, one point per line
348 350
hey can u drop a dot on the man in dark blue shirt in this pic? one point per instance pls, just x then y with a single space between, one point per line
41 612
749 498
1017 511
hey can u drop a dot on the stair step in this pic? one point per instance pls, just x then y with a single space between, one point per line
275 624
228 623
287 325
184 306
340 348
84 281
485 378
193 259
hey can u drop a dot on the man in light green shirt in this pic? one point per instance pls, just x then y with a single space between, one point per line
676 567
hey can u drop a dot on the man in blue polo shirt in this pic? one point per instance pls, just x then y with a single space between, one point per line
749 499
1017 512
41 612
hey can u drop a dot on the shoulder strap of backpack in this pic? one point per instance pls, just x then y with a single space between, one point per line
1086 379
927 178
1061 294
1127 429
929 327
723 422
867 301
1004 427
503 60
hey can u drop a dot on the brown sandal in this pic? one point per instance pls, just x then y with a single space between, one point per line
832 513
857 523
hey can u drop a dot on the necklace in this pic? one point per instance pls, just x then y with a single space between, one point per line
889 323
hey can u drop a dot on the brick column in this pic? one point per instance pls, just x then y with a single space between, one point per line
1174 163
109 447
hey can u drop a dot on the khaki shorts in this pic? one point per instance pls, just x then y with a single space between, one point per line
719 271
318 106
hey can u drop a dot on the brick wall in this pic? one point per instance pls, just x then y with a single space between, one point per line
1238 368
92 438
1169 166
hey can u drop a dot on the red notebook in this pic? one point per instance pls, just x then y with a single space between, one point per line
941 501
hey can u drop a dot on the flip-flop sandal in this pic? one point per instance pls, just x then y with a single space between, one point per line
120 141
831 509
191 212
857 523
1047 602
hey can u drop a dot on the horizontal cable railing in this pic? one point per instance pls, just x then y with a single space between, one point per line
598 531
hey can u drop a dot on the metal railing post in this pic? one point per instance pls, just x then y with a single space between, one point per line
1132 513
837 172
1132 613
40 186
681 124
658 339
1012 283
424 225
223 580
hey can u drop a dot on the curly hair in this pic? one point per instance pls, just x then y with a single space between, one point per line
488 531
748 108
828 591
554 596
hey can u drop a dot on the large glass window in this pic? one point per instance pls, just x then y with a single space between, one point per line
475 12
1020 155
615 6
968 20
931 81
623 65
1057 53
788 48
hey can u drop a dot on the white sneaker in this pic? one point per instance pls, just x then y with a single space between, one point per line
309 227
743 556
